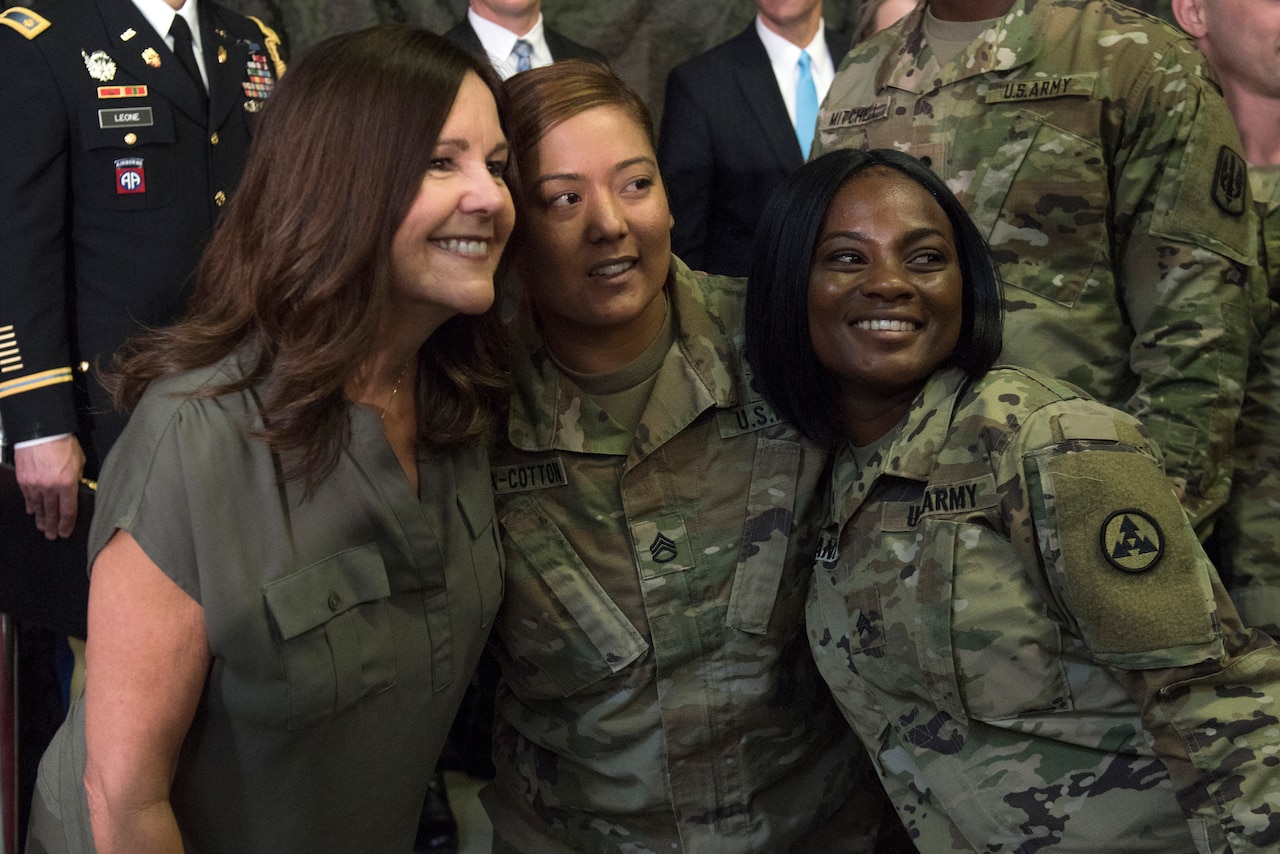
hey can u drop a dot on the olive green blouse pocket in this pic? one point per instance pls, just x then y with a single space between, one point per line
475 503
559 626
335 633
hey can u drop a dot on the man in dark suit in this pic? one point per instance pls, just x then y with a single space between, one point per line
512 36
729 133
124 134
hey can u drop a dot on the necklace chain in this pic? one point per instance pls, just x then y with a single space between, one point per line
395 388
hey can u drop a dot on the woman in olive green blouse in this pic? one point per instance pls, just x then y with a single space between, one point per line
295 563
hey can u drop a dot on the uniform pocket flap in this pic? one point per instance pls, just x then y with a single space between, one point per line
313 595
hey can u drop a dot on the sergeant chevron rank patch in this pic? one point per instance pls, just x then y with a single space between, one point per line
663 549
1132 541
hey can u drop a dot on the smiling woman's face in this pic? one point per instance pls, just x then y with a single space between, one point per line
886 295
599 228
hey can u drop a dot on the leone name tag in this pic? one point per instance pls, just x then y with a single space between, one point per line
133 117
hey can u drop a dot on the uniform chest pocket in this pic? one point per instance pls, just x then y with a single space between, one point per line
559 627
335 633
129 155
766 537
890 611
1042 200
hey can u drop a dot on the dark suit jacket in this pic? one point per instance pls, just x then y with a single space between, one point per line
108 194
561 47
726 142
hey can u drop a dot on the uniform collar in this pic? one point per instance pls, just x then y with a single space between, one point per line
913 453
160 15
911 66
550 412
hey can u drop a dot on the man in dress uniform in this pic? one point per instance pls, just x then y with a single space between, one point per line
736 121
1240 38
118 159
511 35
1091 144
126 127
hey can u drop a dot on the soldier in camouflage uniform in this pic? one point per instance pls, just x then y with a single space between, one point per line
1091 144
1239 38
1010 605
657 692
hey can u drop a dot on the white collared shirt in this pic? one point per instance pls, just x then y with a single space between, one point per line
498 43
784 56
160 14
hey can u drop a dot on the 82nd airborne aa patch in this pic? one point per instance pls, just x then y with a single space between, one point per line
1229 179
1132 541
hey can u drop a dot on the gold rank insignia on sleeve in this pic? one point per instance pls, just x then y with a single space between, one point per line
32 382
24 21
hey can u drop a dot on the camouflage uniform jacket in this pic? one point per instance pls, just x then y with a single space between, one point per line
657 691
1017 619
1248 532
1095 152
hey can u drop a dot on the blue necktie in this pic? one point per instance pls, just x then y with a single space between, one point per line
806 105
522 51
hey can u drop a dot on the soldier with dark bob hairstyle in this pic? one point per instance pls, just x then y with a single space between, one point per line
1009 604
777 318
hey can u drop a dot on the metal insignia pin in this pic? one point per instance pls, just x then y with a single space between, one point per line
151 57
101 67
222 54
128 34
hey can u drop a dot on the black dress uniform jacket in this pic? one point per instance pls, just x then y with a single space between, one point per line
114 173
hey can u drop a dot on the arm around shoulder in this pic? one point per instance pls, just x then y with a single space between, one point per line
147 661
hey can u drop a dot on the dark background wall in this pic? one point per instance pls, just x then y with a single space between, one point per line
643 39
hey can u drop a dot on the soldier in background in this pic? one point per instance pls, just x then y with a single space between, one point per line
1240 38
1091 144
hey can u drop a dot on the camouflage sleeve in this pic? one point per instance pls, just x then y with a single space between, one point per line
1184 237
1134 584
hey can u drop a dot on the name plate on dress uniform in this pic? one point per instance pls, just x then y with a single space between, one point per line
134 117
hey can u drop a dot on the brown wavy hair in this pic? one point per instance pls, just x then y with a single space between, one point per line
298 272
